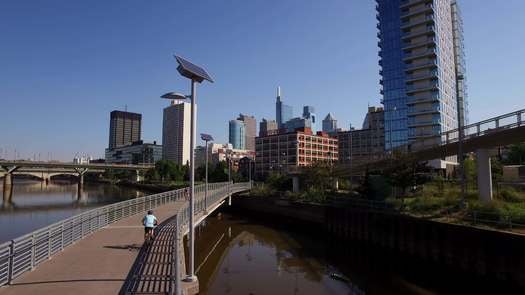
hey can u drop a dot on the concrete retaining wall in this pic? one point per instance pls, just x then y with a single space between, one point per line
481 252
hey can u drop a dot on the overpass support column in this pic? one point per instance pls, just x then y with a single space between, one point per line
81 172
138 177
484 175
295 184
8 196
8 179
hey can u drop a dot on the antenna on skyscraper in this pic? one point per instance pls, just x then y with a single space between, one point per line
125 107
278 91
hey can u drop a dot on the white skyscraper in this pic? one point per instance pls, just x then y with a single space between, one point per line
176 132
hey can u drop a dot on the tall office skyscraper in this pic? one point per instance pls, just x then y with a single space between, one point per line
124 128
176 130
267 127
237 134
283 112
251 130
309 114
459 57
329 124
421 56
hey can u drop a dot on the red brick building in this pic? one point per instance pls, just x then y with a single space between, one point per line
279 152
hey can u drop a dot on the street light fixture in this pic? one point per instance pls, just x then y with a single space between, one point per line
196 74
461 160
229 160
250 170
207 138
175 96
392 145
351 158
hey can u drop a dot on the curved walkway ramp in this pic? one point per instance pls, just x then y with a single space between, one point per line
95 252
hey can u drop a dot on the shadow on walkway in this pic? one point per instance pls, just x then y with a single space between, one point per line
67 281
152 270
131 247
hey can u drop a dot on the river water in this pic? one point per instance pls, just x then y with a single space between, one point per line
35 204
241 255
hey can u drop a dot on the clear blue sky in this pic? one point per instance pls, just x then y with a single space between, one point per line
64 65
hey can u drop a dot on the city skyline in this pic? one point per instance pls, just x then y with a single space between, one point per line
70 92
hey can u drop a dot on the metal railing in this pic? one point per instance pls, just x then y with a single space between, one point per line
215 195
473 217
496 124
28 251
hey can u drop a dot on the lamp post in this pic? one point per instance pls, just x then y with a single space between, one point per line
351 157
207 138
228 158
461 160
391 144
390 133
196 75
250 171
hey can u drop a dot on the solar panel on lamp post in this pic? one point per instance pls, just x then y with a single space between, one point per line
207 138
196 75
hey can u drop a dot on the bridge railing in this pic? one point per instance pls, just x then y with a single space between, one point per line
216 193
28 251
473 217
506 121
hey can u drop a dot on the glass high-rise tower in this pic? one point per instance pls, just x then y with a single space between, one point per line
283 112
237 134
422 70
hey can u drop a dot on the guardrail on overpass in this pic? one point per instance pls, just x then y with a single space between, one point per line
485 127
73 165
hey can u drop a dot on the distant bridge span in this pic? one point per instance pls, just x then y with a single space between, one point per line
45 170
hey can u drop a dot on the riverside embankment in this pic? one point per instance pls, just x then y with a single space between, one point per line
487 256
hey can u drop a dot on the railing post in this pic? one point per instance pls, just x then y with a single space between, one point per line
32 251
11 261
519 119
49 243
175 286
497 123
62 236
478 127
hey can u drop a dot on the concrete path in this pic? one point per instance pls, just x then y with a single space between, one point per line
97 264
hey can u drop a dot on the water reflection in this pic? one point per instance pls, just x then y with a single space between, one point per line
235 256
30 204
241 255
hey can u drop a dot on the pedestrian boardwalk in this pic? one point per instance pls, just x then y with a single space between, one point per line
97 264
101 251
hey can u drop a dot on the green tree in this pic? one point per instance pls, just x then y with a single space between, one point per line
279 182
516 155
471 173
219 173
318 176
152 175
169 171
404 174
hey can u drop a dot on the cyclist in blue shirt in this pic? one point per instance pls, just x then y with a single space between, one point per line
149 221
